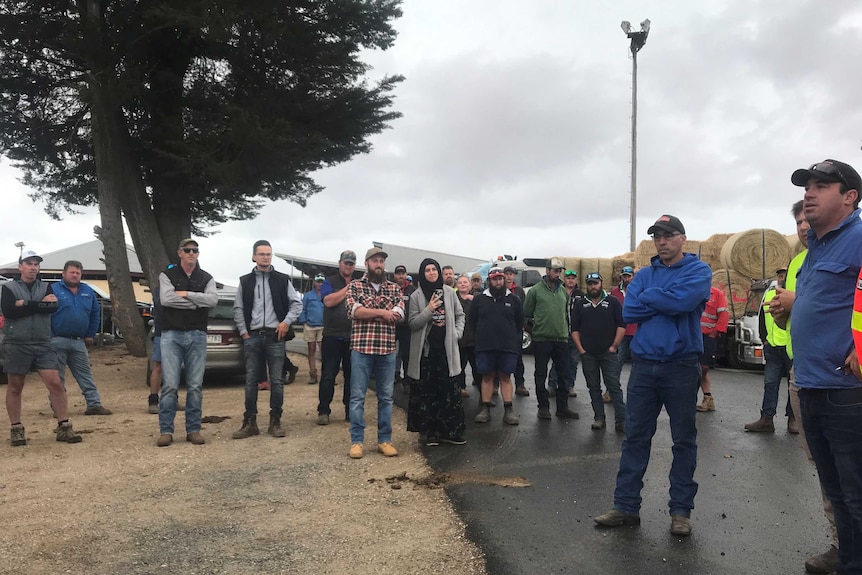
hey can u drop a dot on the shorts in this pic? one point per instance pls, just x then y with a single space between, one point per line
312 333
496 361
710 346
157 349
22 358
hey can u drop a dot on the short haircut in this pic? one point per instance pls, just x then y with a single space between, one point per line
796 209
447 268
259 243
73 264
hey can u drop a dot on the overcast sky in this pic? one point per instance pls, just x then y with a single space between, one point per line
516 132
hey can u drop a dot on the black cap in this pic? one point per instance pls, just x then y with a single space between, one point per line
828 171
400 270
508 269
667 223
594 277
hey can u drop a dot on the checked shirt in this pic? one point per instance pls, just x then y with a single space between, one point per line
369 336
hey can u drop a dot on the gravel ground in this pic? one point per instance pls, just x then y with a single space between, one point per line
116 503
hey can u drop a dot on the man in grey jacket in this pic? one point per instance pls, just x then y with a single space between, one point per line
27 305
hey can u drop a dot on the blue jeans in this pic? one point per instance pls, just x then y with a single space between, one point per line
334 354
777 366
362 366
624 351
569 380
73 353
654 384
832 419
544 351
607 366
262 351
182 350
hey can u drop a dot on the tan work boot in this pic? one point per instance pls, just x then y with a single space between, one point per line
763 424
387 449
164 440
275 428
708 404
356 451
66 434
249 428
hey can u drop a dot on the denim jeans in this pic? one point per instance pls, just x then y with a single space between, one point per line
654 384
73 353
362 366
604 366
543 351
777 367
182 350
832 419
262 352
334 354
569 380
624 350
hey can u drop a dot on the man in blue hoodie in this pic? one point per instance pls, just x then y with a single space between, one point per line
666 300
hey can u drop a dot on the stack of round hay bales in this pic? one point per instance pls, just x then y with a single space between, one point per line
735 287
605 266
710 249
755 253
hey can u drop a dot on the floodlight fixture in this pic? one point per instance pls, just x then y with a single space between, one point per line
626 26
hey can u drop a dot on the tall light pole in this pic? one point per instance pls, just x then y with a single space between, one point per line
20 246
638 39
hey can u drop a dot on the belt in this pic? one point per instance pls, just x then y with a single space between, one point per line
69 336
264 331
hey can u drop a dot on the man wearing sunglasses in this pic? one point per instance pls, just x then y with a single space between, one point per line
666 300
187 292
830 394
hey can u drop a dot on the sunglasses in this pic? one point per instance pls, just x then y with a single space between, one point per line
191 250
571 273
830 170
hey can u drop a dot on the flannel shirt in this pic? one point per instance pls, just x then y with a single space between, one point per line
369 336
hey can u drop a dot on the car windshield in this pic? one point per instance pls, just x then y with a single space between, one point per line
222 310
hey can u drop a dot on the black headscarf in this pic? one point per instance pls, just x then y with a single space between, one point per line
428 287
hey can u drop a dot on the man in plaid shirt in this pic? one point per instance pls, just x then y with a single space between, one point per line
375 305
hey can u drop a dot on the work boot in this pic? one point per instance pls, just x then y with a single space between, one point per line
764 424
66 434
510 417
566 413
291 374
97 410
195 438
164 440
544 413
522 391
322 419
275 429
484 415
598 424
249 428
708 404
792 425
17 434
614 518
680 525
825 562
312 378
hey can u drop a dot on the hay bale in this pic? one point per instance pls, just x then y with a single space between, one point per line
618 263
756 253
646 250
605 266
735 286
710 249
796 246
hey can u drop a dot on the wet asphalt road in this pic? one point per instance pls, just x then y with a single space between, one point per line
758 508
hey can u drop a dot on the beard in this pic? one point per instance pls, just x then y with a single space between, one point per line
376 276
594 293
497 291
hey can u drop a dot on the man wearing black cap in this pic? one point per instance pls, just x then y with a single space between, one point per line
402 330
666 300
27 305
830 395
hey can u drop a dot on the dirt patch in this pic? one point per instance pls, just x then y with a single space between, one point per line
438 480
117 504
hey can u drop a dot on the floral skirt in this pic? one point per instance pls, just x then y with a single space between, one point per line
435 399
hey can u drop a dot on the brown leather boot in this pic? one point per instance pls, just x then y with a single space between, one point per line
708 404
764 424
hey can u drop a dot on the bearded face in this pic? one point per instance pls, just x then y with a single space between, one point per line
376 276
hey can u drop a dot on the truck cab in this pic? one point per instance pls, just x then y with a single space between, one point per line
744 346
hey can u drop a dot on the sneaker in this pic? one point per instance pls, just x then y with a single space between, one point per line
387 449
456 440
680 525
98 410
484 415
17 435
825 562
616 518
598 424
708 404
291 374
66 434
195 438
544 413
522 391
164 440
323 419
356 451
432 441
566 413
606 397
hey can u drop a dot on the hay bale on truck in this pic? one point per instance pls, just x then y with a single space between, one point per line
735 287
756 253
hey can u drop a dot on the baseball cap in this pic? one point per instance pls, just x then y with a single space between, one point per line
347 256
594 277
476 276
508 269
667 223
375 251
495 272
828 171
29 255
627 270
779 270
572 273
556 264
400 270
187 241
319 278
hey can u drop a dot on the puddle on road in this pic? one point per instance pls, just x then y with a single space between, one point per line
438 480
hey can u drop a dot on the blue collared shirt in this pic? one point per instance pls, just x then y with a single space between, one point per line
824 304
77 315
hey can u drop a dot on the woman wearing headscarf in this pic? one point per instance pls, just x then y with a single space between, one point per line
436 321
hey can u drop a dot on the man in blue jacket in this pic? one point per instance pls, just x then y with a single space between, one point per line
73 327
666 300
312 320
